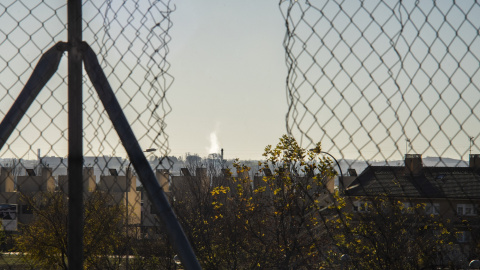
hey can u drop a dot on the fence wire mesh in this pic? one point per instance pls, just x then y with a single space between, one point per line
393 84
367 77
379 83
131 40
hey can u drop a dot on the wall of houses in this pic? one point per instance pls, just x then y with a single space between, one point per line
122 189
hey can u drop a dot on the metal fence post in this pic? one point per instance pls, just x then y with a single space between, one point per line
142 167
75 137
43 72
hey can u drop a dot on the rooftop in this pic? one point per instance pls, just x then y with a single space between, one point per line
425 182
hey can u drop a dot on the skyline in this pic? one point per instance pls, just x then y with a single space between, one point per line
228 77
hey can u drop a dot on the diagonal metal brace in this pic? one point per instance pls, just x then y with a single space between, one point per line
43 72
142 167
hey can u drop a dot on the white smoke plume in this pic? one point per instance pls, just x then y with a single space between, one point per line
214 144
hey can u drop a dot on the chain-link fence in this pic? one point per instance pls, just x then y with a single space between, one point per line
381 84
130 40
375 80
393 85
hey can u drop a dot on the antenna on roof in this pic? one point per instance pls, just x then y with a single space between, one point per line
407 141
471 144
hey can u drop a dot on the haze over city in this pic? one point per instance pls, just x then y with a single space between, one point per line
228 84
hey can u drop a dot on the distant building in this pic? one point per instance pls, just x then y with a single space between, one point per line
449 193
33 183
89 181
148 216
122 189
8 200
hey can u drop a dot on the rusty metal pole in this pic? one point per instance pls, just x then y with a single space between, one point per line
75 137
43 72
155 193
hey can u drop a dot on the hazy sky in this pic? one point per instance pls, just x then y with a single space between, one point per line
226 57
372 90
374 74
228 62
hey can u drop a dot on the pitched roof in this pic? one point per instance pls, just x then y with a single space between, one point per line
431 182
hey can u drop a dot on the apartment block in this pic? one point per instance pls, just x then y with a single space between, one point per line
123 191
32 183
149 219
89 181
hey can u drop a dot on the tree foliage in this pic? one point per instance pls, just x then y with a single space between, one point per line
289 216
44 241
271 222
389 234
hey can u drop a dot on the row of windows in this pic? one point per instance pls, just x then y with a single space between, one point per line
430 208
464 236
365 206
466 210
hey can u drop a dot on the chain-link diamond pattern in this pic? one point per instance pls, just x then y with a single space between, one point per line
131 40
368 78
394 84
